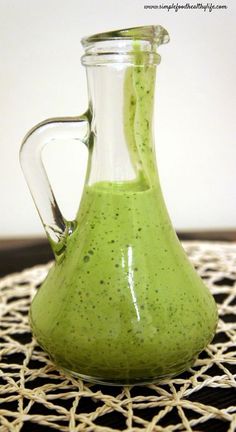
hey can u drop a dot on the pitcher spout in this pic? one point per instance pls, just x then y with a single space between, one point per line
117 46
155 34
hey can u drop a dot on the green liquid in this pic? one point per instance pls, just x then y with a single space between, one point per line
124 304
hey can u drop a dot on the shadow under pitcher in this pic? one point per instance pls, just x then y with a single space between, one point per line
122 304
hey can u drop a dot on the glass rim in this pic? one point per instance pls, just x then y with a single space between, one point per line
155 34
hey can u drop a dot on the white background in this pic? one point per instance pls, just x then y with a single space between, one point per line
41 76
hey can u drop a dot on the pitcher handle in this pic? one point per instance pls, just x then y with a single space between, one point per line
56 226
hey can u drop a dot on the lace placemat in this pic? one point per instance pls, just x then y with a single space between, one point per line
34 396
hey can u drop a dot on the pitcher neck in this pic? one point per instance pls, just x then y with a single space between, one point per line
121 100
121 69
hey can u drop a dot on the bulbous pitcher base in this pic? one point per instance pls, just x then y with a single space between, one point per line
130 381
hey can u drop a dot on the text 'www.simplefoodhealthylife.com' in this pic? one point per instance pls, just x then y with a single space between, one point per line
205 7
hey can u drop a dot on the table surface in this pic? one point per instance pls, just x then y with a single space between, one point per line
17 254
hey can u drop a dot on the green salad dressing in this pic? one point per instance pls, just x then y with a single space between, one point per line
124 304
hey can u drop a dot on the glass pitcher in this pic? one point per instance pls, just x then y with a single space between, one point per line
122 304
